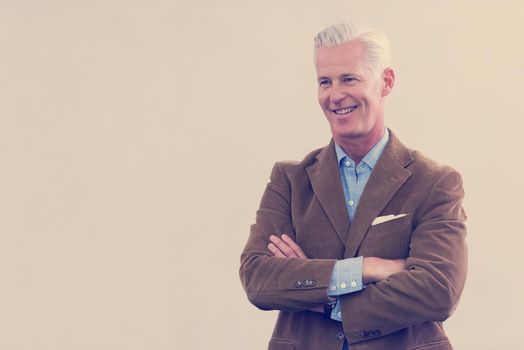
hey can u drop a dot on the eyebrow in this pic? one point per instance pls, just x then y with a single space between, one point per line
352 75
341 76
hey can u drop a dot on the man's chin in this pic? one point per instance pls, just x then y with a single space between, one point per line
339 137
346 131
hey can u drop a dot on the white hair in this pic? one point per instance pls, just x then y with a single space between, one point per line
377 49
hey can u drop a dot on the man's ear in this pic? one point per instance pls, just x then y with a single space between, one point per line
389 80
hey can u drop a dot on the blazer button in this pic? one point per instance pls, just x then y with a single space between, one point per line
340 335
309 283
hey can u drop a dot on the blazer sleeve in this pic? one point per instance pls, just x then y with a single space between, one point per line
279 283
430 288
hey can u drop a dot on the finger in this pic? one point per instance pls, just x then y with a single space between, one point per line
275 251
296 248
283 247
397 266
403 263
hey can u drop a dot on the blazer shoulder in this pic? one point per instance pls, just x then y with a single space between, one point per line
430 169
293 168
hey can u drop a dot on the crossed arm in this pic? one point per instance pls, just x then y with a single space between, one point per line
373 268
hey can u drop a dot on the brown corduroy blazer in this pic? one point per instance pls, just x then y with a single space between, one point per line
405 311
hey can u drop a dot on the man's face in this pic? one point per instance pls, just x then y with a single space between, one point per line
351 96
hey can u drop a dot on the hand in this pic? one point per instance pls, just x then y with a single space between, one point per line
375 269
285 247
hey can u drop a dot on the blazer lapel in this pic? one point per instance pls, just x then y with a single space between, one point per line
325 180
386 179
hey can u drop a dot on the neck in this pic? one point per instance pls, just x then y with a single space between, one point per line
357 147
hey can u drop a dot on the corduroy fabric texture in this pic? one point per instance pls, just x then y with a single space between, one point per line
305 200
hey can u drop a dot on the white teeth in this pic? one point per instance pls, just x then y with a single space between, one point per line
345 110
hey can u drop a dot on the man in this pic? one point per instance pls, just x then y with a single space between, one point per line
360 245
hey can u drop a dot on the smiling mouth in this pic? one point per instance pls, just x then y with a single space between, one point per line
346 110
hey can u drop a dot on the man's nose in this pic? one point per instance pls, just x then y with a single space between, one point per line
336 95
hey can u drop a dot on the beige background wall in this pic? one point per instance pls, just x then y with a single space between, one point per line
136 138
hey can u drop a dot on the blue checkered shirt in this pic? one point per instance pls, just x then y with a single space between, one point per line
347 274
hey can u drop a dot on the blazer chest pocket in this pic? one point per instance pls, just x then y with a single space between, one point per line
388 240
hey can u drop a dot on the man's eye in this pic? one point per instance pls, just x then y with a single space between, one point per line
349 79
323 82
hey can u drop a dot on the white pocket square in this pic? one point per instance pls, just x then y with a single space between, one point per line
381 219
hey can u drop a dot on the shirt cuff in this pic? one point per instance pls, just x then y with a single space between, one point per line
346 277
336 314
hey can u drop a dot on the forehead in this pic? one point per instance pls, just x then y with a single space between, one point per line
347 58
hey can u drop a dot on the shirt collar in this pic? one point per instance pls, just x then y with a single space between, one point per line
371 158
